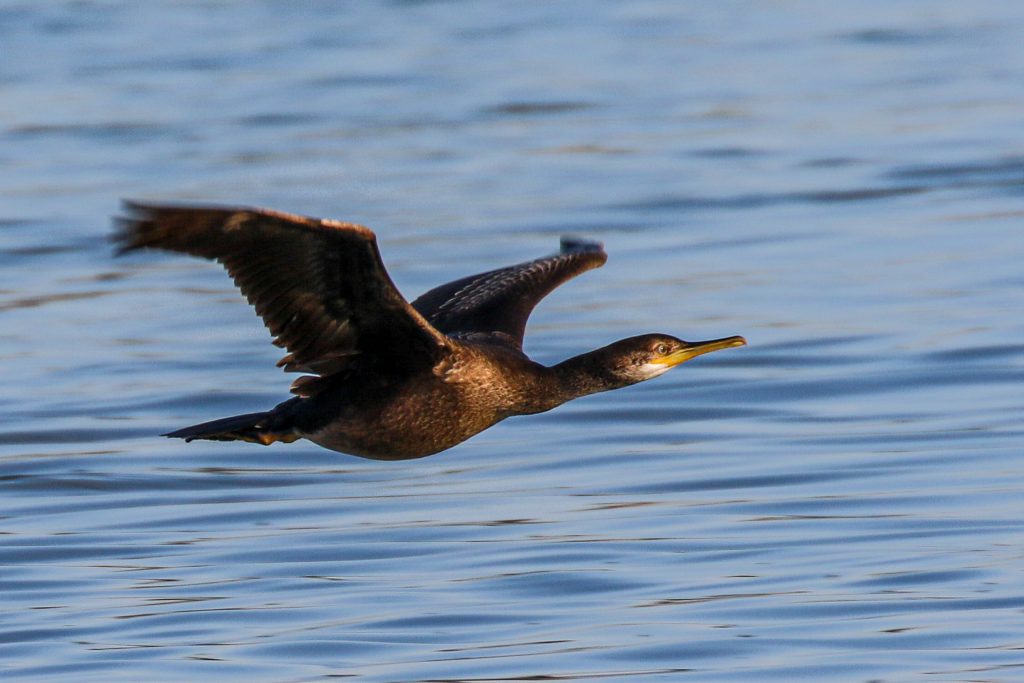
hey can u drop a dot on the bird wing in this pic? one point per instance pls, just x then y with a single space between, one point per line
501 300
319 285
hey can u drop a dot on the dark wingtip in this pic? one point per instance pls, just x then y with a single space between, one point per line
131 226
571 244
125 225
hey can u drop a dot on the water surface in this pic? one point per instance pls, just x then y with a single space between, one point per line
839 501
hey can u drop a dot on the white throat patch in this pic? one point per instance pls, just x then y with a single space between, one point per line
649 370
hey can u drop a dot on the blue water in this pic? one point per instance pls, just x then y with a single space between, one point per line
839 501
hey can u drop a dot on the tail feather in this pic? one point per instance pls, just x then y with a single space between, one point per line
252 427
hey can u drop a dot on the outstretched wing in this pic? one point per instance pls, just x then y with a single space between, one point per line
502 300
318 285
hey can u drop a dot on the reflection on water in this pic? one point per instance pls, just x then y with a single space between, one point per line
840 500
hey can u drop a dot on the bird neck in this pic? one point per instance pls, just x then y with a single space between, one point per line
587 373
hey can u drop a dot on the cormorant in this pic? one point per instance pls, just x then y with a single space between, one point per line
386 379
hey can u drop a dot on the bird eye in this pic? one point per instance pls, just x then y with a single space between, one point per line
661 349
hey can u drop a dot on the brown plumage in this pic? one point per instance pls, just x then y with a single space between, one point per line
387 379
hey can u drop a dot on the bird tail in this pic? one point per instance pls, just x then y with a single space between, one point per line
252 427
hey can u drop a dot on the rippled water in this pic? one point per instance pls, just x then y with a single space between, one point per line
839 501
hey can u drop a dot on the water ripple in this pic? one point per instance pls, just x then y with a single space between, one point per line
839 500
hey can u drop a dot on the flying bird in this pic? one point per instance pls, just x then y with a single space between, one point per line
383 378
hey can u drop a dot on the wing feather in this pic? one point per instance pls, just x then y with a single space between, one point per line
500 301
319 285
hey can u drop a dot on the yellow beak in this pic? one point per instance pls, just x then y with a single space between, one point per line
694 349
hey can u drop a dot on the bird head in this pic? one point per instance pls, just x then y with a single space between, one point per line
640 358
